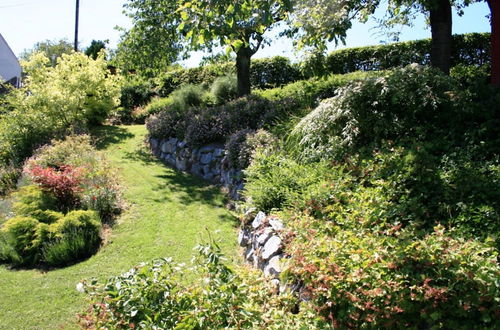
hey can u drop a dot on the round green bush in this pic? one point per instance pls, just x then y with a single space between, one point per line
225 89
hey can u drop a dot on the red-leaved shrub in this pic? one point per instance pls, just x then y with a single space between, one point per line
63 182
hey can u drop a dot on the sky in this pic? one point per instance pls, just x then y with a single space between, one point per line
26 22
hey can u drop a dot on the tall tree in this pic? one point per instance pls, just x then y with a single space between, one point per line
314 16
95 47
495 41
153 43
238 25
52 49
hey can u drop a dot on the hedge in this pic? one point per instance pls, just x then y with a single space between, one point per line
468 49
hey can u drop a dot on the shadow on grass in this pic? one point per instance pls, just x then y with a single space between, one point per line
108 135
190 189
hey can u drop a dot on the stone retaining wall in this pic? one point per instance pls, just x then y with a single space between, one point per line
260 237
208 162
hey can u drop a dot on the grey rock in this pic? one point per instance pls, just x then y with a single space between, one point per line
218 153
181 164
249 255
181 144
276 224
243 238
164 147
206 158
273 267
206 149
196 169
272 247
262 238
259 219
154 143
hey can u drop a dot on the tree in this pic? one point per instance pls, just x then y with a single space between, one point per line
52 49
153 43
495 41
95 47
319 23
240 26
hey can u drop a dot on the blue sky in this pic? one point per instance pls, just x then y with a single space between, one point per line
25 22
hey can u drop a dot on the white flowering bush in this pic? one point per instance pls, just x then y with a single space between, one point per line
414 103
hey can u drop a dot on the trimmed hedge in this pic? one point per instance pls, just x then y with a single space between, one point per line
468 49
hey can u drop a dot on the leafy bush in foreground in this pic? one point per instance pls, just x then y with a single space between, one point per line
155 296
60 240
391 278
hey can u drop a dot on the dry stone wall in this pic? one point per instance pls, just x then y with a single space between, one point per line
208 162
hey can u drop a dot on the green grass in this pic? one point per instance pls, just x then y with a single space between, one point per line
168 212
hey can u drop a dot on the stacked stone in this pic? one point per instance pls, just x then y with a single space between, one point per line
208 162
260 238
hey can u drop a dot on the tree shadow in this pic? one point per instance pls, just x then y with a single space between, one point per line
107 135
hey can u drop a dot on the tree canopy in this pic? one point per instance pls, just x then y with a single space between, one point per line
52 49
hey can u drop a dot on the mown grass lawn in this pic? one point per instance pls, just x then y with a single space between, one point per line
168 213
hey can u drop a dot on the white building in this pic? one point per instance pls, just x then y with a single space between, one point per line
10 70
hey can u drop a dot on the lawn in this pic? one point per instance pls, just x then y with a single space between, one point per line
168 213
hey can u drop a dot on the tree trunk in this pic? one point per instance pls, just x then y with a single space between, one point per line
495 42
441 22
243 57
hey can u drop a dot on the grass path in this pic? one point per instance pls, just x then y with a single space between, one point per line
167 214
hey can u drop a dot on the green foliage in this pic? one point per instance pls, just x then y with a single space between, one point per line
394 278
98 188
224 89
135 92
76 236
52 49
242 145
153 43
96 46
21 241
8 178
307 93
274 181
77 92
273 72
188 96
413 103
467 49
38 235
154 295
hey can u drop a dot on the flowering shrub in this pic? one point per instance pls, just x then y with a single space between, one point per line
394 278
413 103
242 145
82 174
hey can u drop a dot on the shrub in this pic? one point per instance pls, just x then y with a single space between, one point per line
156 295
135 92
224 89
78 92
27 241
64 183
273 72
21 241
217 123
29 200
307 93
157 105
413 103
274 181
8 178
95 187
241 146
76 236
393 279
188 96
